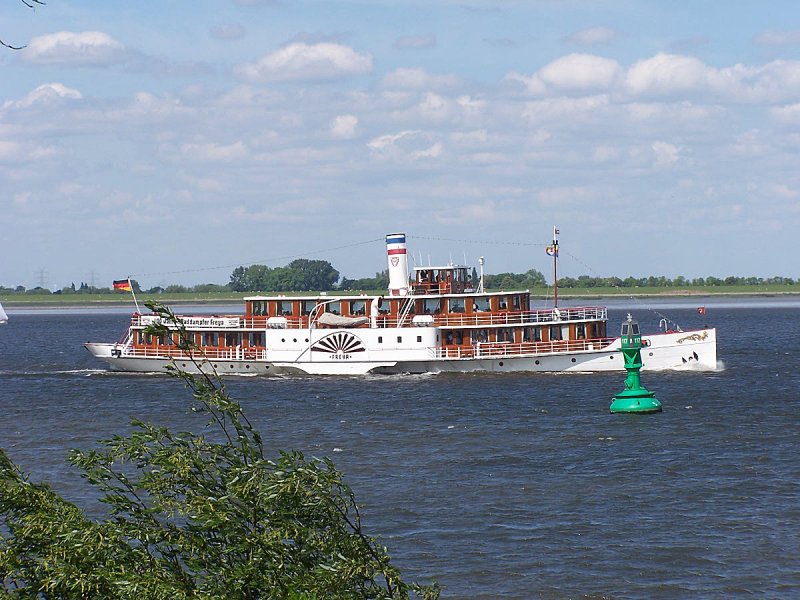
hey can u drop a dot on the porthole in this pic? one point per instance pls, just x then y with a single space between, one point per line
306 340
500 363
573 360
247 366
183 364
215 366
536 361
231 366
611 357
651 354
295 340
283 340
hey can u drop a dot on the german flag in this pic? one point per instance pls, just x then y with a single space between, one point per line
123 284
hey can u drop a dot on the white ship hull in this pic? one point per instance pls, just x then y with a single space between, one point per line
694 350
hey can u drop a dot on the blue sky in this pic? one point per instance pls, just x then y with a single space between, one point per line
174 140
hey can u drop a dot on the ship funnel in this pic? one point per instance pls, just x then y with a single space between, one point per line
398 264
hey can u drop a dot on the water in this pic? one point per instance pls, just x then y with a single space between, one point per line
498 486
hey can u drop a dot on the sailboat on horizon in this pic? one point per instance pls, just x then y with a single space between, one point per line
3 315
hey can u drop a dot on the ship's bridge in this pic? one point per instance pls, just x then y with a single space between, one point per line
450 279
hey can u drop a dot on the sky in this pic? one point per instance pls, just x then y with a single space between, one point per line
172 141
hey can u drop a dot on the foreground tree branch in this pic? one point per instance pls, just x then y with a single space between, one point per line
32 5
194 515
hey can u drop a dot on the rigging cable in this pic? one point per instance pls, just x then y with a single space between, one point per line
664 318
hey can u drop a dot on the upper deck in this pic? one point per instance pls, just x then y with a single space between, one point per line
466 319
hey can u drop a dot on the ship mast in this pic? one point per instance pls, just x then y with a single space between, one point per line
553 251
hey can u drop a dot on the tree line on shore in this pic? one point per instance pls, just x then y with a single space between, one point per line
305 275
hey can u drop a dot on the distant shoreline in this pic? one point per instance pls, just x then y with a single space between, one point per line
71 304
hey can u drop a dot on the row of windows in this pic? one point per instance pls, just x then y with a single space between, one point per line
427 306
511 335
229 339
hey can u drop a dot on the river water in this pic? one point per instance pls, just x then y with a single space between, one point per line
497 486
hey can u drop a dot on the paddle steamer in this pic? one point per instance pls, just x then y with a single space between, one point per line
437 320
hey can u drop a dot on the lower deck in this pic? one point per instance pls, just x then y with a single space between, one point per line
681 350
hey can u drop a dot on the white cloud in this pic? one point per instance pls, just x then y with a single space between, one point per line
344 126
87 48
386 141
668 74
605 154
210 152
47 93
432 152
307 62
573 73
482 213
593 36
416 41
666 154
418 79
24 152
778 38
787 114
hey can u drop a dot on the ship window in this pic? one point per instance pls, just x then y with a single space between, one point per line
358 307
209 338
448 338
285 308
481 303
456 305
580 331
380 339
505 335
259 308
399 339
503 303
459 337
526 334
232 339
419 338
255 339
432 306
306 306
335 308
537 334
517 305
482 335
555 332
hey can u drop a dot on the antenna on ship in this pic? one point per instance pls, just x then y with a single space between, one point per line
481 260
553 251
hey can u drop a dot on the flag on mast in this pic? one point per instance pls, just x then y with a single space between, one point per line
553 250
123 284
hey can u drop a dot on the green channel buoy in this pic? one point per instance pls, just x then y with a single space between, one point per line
635 398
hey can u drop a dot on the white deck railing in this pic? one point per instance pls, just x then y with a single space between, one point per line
480 319
495 349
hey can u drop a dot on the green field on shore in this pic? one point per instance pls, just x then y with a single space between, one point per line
540 293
